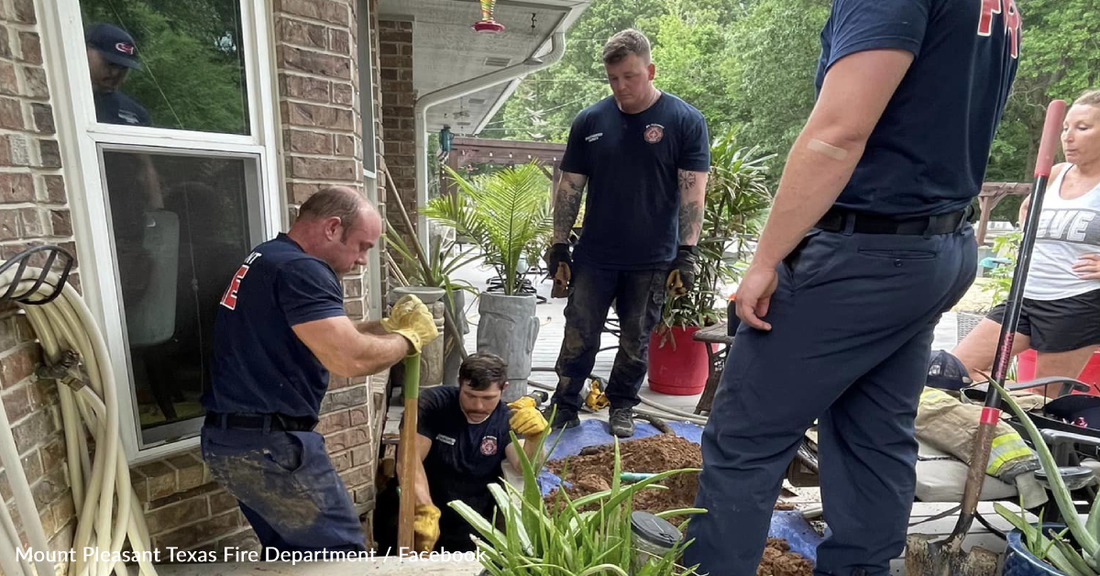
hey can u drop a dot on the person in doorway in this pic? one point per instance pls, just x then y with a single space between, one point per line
1060 318
462 440
281 329
866 245
644 156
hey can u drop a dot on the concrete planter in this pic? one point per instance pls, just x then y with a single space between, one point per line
508 328
452 360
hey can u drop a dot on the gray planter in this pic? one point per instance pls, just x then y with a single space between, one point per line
452 360
508 328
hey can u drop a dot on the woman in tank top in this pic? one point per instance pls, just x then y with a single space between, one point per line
1060 318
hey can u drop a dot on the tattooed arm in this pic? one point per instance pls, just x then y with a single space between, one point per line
567 204
692 192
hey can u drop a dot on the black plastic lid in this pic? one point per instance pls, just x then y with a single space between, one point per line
654 530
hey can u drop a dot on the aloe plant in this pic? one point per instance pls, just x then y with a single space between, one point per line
1084 560
506 214
568 542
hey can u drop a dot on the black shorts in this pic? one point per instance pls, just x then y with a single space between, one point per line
1058 325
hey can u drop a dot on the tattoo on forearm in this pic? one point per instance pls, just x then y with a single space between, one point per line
567 204
691 220
687 180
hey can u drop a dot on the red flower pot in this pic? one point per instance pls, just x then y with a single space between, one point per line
677 364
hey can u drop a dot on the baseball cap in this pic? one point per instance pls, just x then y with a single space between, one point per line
947 372
114 43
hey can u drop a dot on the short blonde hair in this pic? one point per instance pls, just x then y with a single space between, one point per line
625 43
1089 98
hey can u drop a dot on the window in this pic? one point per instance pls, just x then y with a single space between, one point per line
168 107
370 175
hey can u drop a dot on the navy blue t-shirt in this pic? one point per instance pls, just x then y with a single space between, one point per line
632 212
117 108
927 154
464 458
260 365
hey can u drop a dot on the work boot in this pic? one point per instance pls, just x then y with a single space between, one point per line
622 422
562 419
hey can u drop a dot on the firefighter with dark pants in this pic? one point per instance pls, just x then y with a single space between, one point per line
644 156
281 329
866 245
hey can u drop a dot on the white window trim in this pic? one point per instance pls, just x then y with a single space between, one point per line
79 135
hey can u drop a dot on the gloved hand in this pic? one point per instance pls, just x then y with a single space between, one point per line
526 419
411 319
596 399
425 528
559 263
682 277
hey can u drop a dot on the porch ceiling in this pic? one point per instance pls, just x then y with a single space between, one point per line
447 51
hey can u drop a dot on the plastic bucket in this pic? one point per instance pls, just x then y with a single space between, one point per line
679 367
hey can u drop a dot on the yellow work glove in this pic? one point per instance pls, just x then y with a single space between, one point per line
425 528
527 421
595 399
412 319
524 402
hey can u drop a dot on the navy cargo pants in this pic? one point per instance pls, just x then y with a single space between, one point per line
286 487
638 297
852 326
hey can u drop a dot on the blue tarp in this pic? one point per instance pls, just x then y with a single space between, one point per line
786 524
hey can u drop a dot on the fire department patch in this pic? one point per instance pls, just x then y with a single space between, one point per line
654 133
489 445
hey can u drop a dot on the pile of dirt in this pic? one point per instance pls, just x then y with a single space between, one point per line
591 472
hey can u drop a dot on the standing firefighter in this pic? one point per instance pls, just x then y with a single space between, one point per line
644 156
281 329
866 246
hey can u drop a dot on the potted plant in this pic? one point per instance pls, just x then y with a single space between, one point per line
443 261
736 200
506 214
527 537
1072 549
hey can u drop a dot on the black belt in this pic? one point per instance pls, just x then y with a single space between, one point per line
278 422
836 220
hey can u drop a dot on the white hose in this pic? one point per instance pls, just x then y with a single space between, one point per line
101 488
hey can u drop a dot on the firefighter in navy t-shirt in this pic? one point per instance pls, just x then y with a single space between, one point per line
644 156
281 329
866 245
462 441
111 55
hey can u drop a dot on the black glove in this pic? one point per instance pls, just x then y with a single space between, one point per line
682 277
556 257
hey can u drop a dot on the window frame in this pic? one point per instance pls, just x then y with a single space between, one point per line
369 147
81 139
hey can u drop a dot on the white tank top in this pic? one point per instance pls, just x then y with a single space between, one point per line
1068 229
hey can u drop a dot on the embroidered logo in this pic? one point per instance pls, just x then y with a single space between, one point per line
654 133
489 445
593 137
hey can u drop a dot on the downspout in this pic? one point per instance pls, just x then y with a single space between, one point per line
557 50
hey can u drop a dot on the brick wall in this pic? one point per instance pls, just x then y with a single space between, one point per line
395 50
33 210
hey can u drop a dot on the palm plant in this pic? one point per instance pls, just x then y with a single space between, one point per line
1080 558
506 214
737 198
538 542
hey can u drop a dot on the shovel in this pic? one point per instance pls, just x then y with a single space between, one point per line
407 511
946 557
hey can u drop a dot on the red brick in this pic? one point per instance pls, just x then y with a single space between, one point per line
309 142
32 47
333 422
176 515
43 118
317 63
341 461
354 309
51 487
32 430
55 188
5 45
360 455
345 146
359 416
300 192
62 222
35 80
32 222
19 364
9 84
53 454
11 114
323 169
16 188
300 114
300 33
5 151
63 512
306 88
339 41
334 12
50 153
222 501
32 467
9 225
355 477
190 536
24 11
343 94
17 403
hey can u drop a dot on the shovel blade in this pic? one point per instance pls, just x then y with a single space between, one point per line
927 557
